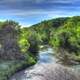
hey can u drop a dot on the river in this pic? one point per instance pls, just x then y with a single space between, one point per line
45 56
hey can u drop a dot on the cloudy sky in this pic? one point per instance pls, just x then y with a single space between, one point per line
28 12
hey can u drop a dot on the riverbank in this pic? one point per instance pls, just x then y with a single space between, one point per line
8 68
51 71
46 56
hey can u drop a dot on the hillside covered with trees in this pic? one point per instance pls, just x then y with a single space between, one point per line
19 46
18 49
63 34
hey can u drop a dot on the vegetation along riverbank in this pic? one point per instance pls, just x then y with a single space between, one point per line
19 46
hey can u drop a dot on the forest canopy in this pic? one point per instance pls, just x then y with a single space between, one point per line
63 34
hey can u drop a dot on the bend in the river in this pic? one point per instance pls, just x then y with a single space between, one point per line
45 56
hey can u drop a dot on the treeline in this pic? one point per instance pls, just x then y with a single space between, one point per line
17 43
46 28
18 48
63 34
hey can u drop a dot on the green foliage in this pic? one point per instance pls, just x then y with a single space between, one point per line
28 40
55 42
10 24
8 68
34 43
24 45
23 41
67 37
9 31
45 28
14 41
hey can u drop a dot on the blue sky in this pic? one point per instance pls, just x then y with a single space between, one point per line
28 12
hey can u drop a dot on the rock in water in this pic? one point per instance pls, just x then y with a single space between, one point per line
53 72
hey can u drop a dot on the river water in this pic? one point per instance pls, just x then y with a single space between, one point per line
45 56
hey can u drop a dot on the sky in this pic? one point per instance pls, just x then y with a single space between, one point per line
29 12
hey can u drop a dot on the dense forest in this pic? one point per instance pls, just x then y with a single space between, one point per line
63 34
19 46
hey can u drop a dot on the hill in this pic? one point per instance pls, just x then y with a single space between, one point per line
19 46
63 34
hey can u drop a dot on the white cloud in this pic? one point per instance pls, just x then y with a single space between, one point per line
27 13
